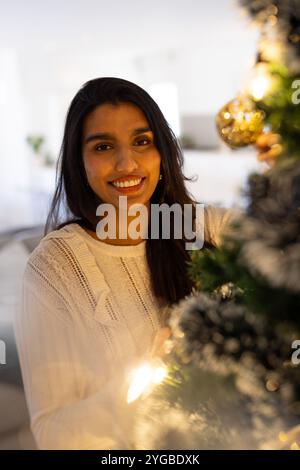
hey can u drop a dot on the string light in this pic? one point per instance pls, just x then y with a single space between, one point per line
145 377
260 83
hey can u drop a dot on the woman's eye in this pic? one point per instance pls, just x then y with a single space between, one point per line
143 141
140 143
102 147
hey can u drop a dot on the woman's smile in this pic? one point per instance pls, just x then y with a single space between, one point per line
128 185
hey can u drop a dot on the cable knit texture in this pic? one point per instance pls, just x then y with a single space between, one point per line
86 316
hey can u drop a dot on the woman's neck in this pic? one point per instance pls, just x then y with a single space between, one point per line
122 226
115 241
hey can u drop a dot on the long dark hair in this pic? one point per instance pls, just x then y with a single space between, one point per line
167 258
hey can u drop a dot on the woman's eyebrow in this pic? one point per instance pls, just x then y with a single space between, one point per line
106 135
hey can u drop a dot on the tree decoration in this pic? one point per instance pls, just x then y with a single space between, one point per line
239 122
232 381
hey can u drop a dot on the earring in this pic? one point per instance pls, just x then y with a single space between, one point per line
160 176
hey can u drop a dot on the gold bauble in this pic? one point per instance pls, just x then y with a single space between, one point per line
239 122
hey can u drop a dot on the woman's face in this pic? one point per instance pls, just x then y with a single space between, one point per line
119 154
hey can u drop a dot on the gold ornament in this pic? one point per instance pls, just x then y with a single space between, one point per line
239 122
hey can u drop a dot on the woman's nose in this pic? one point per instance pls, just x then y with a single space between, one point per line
125 160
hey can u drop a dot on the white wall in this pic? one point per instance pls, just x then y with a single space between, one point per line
49 49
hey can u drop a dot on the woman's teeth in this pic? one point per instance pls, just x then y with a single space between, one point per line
126 184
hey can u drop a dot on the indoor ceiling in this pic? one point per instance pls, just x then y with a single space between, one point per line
113 25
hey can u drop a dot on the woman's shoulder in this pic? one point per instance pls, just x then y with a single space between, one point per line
218 214
218 221
62 254
63 259
68 231
49 244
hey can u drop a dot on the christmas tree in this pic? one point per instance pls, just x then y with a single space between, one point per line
231 369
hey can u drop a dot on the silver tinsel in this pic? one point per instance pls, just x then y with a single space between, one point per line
270 233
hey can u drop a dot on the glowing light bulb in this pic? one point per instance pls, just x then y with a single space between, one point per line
159 374
144 377
260 83
259 87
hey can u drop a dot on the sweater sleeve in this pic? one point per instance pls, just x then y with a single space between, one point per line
217 223
74 401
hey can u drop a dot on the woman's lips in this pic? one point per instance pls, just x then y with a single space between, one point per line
129 189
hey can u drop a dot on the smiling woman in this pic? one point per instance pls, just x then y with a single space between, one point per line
123 160
117 110
92 309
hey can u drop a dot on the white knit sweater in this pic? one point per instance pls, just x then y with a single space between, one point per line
86 316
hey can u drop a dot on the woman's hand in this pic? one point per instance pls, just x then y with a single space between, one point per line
269 146
158 347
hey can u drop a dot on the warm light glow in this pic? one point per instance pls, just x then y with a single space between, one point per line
145 376
283 437
259 82
159 374
141 380
259 86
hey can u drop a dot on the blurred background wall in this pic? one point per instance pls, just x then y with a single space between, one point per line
190 56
